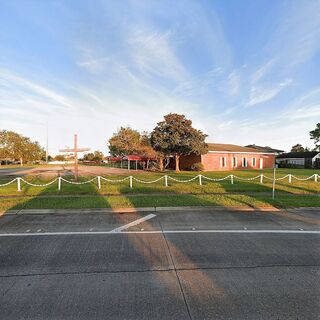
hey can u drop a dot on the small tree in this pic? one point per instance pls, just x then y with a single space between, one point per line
297 148
315 135
175 136
125 141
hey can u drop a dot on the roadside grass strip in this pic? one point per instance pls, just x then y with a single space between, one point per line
295 182
132 201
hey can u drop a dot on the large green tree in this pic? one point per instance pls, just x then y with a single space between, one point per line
315 135
298 148
175 137
18 147
128 141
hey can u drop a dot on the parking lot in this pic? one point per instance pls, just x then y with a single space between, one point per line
186 264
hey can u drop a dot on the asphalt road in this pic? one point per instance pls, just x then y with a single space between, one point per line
173 265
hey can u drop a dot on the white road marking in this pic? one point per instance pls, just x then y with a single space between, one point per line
157 232
134 223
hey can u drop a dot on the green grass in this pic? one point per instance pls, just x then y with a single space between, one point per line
107 188
159 201
241 193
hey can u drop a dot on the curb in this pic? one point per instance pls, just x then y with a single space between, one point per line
133 210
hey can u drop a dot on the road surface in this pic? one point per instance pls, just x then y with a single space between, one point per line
163 265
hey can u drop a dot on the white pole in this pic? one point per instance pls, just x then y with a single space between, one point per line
261 178
274 182
200 180
166 180
231 177
99 182
316 177
130 182
290 178
59 183
19 184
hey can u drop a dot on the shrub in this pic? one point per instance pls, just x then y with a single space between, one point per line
197 167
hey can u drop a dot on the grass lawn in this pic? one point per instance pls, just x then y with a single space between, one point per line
222 193
281 201
225 186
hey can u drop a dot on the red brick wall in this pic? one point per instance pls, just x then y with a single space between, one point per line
212 161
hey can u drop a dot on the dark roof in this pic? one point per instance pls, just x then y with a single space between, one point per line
264 149
231 148
302 155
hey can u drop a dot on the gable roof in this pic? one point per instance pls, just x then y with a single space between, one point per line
299 155
264 149
232 148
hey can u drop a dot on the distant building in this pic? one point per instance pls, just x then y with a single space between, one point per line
265 149
309 159
229 157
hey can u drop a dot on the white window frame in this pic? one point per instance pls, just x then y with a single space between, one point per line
244 162
254 161
223 162
234 162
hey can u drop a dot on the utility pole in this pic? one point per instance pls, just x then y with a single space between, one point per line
47 145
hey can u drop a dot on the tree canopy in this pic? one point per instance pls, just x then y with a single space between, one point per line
128 141
315 135
299 148
175 136
18 147
95 156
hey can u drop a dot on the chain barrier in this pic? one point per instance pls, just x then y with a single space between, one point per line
217 179
303 179
38 185
78 183
247 179
165 177
183 181
148 182
111 180
6 184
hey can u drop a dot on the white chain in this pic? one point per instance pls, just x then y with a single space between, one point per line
217 179
284 177
303 179
247 179
6 184
148 182
39 185
71 182
111 180
183 181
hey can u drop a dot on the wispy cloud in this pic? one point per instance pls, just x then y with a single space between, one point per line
263 94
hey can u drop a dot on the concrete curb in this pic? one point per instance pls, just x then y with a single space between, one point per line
132 210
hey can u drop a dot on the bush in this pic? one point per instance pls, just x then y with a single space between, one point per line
197 167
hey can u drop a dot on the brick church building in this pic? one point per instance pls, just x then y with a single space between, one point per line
231 157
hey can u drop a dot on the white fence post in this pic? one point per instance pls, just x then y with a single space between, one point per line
290 178
59 183
316 177
200 179
99 182
231 178
261 178
166 180
19 184
130 182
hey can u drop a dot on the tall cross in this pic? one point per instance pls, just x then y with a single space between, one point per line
75 150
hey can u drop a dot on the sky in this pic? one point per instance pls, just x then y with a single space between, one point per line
245 72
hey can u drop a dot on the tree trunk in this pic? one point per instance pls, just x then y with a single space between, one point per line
160 160
21 162
177 162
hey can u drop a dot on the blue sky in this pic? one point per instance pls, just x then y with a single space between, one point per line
244 71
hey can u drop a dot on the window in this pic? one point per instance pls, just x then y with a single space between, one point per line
244 162
223 162
254 162
234 162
